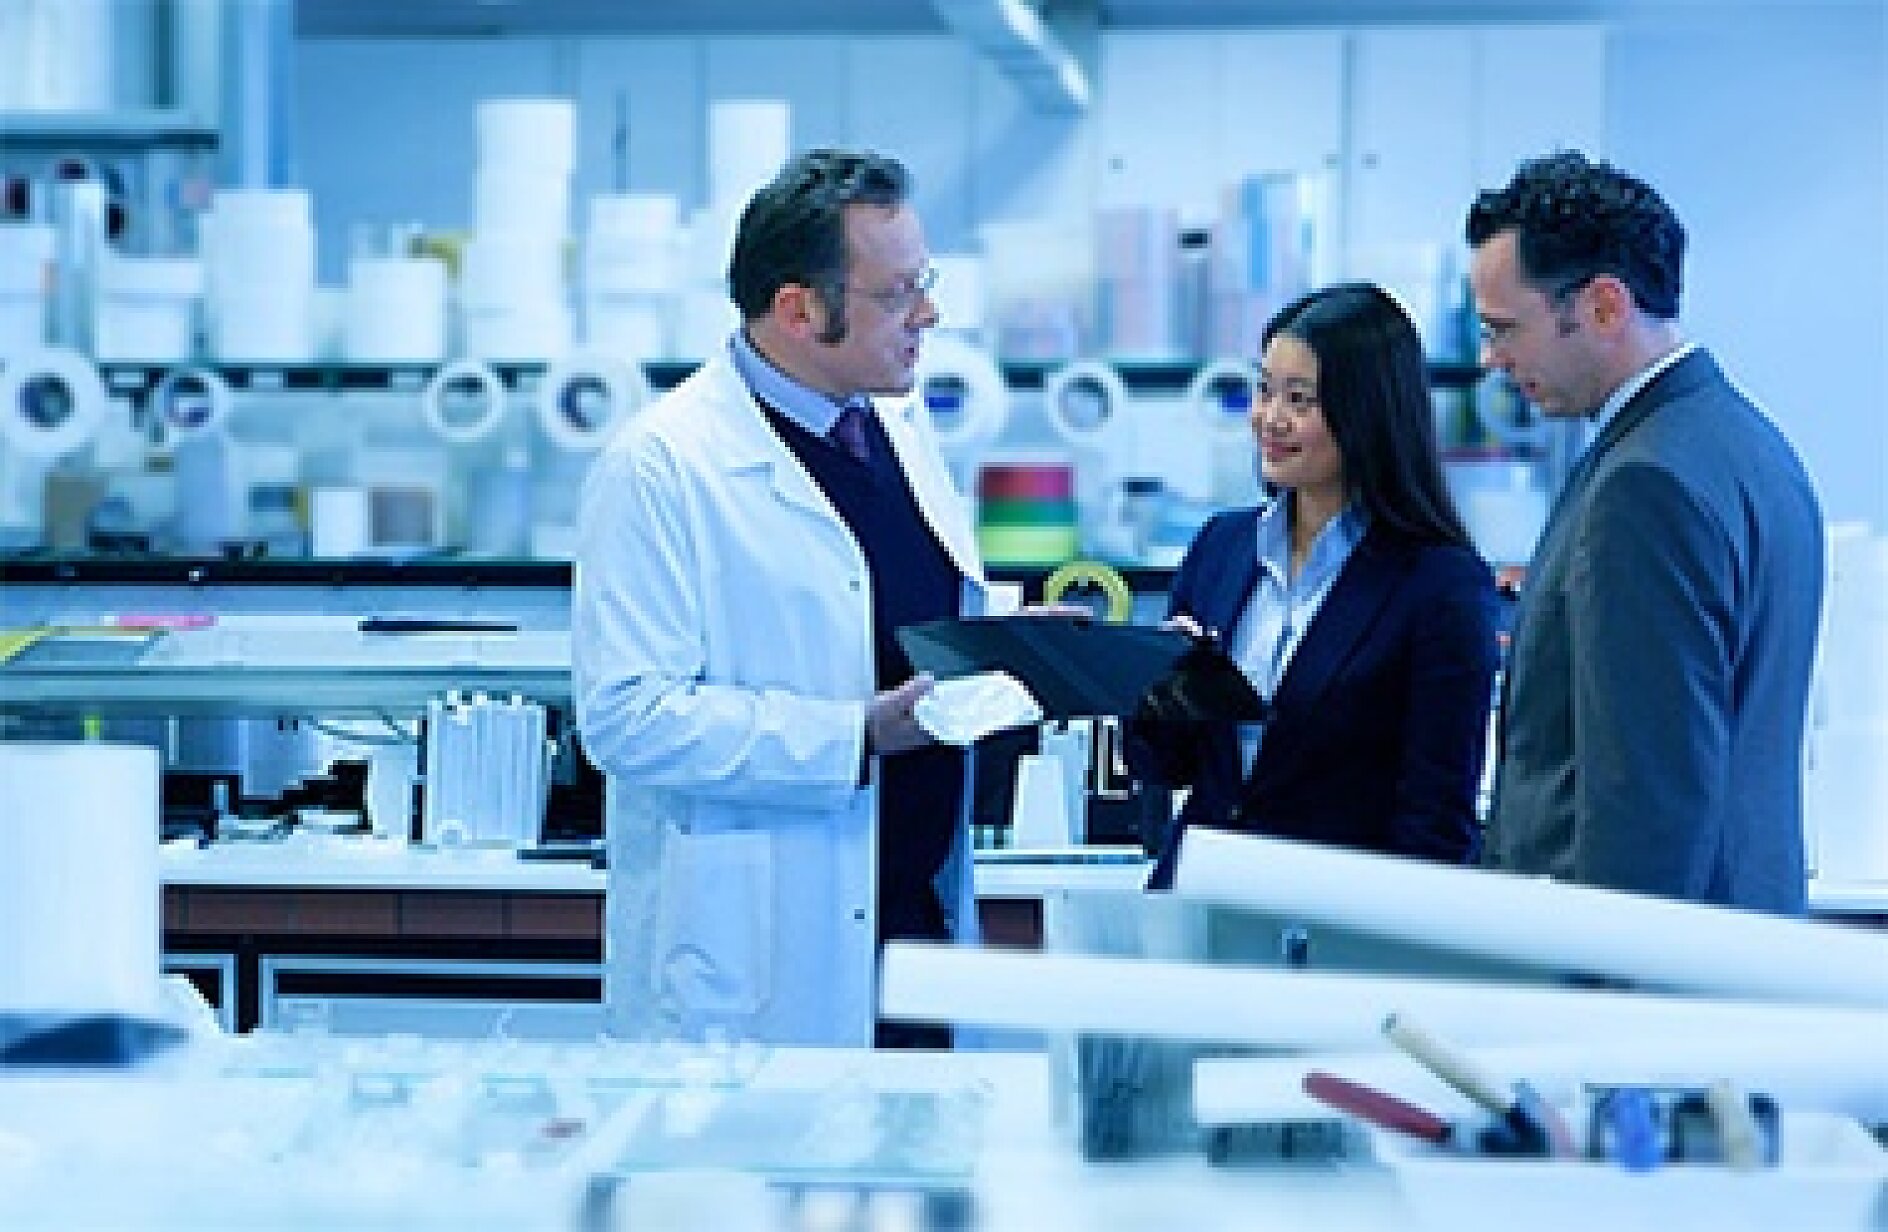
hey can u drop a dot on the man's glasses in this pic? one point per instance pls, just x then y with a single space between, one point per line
900 299
1496 334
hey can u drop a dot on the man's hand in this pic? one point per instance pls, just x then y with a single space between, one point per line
889 727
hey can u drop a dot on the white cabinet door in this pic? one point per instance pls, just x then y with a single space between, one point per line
1155 116
1412 139
1281 100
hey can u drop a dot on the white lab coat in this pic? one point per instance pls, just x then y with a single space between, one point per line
722 652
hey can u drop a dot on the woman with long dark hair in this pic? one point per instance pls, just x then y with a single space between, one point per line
1351 598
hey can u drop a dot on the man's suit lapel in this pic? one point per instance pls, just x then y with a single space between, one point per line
1357 598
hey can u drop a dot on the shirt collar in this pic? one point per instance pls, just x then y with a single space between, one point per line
803 404
1329 550
1616 401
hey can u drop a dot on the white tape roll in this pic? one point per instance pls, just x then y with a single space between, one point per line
1223 394
190 402
464 402
1084 402
584 397
51 402
963 390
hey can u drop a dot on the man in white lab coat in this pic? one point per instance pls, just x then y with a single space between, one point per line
746 548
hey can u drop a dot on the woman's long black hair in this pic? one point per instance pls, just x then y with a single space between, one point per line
1373 389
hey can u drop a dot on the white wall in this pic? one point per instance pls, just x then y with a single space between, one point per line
1768 132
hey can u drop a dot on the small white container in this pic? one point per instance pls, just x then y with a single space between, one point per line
1829 1178
25 270
147 308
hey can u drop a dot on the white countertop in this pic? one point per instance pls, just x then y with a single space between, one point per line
335 863
292 1132
332 863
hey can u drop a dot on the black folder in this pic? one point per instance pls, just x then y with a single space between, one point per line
1080 669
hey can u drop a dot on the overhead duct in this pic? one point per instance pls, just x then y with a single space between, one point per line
1023 47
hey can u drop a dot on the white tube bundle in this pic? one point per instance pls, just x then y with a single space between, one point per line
1287 1008
1551 924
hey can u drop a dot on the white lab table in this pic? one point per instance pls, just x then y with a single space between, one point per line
208 1140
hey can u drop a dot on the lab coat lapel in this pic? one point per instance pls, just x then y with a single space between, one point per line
748 445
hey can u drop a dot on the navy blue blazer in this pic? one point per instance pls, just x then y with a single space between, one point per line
1379 724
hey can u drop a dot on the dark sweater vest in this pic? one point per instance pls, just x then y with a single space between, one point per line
913 580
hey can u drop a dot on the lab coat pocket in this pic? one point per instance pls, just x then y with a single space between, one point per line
715 926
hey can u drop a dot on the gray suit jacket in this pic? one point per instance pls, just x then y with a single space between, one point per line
1651 733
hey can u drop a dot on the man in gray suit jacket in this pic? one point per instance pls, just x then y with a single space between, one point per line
1651 734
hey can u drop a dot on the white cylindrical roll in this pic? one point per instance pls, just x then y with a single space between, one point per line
638 215
1283 1008
395 310
748 140
190 401
147 308
584 397
464 402
1222 395
528 134
634 326
528 201
1084 402
26 252
1528 919
964 392
51 402
79 887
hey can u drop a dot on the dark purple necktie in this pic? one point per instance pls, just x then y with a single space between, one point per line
848 432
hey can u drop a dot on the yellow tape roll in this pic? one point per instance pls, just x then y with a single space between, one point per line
1092 573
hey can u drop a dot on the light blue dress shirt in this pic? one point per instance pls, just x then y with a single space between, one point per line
1282 606
805 406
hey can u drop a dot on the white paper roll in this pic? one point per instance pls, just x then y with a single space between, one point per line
964 392
1222 395
537 134
464 402
51 402
584 397
79 888
747 145
1085 402
395 310
191 401
1533 920
1301 1009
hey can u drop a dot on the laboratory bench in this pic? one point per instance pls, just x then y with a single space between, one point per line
367 936
302 1130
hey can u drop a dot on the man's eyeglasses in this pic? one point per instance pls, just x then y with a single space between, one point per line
1496 334
900 299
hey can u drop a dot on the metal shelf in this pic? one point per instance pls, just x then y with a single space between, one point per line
136 380
291 673
134 129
